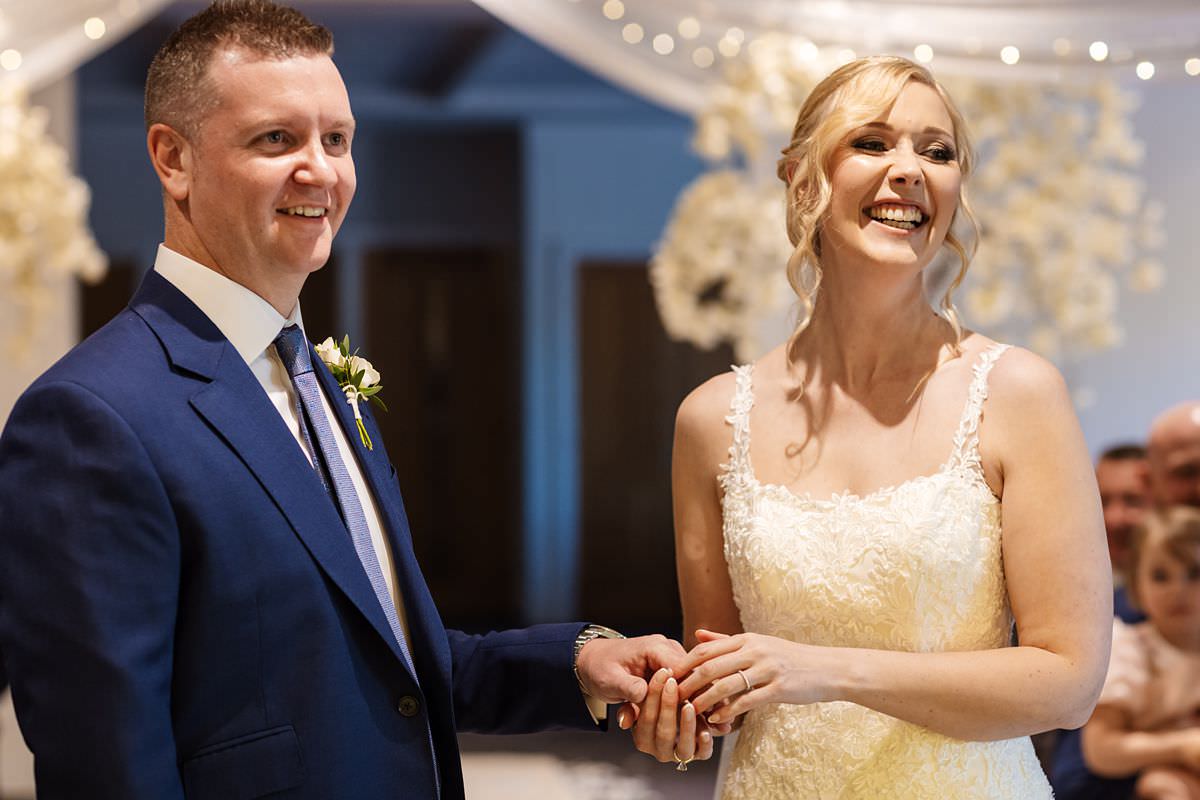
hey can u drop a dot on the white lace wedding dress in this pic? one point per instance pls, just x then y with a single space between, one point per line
913 567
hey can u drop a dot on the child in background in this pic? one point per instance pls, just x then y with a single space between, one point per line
1148 718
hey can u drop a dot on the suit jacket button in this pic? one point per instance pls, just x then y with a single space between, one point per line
409 706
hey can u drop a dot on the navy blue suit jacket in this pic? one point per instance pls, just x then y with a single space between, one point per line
182 613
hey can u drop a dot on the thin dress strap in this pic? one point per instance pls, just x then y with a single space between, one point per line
739 467
966 440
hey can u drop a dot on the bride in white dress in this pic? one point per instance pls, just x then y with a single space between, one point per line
868 507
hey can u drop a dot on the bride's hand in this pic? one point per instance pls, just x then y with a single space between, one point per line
664 729
729 675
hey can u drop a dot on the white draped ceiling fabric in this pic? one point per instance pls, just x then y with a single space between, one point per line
42 41
671 51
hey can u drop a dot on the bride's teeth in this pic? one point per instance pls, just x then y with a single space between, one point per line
906 216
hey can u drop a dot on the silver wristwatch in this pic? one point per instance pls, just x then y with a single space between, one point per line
585 636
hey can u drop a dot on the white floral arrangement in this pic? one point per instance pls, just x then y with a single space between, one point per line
718 271
43 221
1065 224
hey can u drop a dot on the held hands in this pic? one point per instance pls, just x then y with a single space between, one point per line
667 730
615 670
723 677
729 675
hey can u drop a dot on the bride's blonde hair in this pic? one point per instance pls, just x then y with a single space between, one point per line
850 97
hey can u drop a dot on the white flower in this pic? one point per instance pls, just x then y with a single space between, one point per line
330 354
370 376
1146 276
43 222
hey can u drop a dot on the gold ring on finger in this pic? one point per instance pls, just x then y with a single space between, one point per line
681 764
749 685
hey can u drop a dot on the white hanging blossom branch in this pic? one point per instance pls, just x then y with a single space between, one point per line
43 222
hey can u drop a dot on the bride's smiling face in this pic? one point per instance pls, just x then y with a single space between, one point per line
894 185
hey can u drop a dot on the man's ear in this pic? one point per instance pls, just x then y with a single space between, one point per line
171 155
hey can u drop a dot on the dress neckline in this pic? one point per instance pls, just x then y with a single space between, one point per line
964 459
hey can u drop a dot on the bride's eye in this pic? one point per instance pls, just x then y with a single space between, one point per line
870 145
940 153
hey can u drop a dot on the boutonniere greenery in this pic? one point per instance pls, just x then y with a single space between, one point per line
356 378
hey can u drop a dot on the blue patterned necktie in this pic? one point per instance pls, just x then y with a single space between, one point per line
323 449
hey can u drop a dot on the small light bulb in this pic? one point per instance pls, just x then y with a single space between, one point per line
1010 55
1098 51
1145 70
613 9
689 27
94 28
923 53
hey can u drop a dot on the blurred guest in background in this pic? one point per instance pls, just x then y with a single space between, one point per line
1122 476
1173 472
1174 453
1148 716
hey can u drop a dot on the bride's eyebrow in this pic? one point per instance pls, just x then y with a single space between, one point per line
929 129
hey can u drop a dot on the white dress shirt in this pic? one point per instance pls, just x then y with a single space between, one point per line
251 324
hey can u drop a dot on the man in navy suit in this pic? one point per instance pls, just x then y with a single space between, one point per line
207 583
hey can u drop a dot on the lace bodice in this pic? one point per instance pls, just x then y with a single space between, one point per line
913 567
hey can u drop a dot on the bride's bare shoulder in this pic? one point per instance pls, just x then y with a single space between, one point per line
1028 405
706 406
703 412
1021 380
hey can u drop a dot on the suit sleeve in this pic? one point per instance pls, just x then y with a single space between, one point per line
89 584
518 681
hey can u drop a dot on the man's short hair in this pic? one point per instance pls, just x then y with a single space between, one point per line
179 92
1124 452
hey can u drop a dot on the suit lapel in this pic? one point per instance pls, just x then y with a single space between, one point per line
421 612
233 402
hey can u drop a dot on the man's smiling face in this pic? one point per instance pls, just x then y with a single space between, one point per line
273 175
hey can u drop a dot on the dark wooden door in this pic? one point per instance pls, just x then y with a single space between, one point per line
442 327
632 379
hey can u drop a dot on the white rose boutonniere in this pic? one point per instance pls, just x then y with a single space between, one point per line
356 378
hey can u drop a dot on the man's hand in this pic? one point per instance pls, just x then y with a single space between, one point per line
617 670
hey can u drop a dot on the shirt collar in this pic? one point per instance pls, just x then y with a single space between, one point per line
249 322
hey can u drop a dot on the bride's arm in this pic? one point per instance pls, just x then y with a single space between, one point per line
1059 584
701 445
